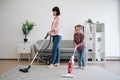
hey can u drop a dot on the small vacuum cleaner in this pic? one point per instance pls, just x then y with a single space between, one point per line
70 66
25 70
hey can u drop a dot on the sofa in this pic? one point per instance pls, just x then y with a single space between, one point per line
66 49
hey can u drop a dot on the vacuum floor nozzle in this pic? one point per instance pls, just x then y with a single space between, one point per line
25 70
68 75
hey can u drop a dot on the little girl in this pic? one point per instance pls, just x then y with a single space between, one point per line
80 45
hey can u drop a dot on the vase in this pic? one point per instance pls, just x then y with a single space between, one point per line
25 39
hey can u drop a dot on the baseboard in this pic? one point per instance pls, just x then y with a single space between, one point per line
8 58
108 58
113 58
12 59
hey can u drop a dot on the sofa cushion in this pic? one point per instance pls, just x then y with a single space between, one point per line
62 50
66 44
66 50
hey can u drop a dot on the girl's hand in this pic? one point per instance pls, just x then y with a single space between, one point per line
76 46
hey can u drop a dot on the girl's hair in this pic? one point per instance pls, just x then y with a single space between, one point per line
80 26
57 10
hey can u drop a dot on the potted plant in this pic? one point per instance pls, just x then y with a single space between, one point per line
90 22
26 28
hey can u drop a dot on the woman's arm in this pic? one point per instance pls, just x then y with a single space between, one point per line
55 25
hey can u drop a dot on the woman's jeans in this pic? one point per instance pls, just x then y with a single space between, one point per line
55 49
81 57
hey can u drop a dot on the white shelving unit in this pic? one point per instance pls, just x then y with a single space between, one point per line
95 42
100 41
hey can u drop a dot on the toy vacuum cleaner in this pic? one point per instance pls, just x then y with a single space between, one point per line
70 66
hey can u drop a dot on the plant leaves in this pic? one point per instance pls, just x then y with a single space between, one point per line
27 27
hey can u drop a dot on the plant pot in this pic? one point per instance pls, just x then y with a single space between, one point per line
25 39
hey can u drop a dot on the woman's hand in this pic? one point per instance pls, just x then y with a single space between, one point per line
49 33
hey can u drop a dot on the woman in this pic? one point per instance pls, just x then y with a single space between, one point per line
56 34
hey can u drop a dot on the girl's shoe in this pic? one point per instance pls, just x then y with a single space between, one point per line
77 67
51 66
83 68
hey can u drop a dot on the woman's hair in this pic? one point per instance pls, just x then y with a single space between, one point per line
57 10
80 26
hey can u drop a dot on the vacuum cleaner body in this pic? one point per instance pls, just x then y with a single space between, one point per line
70 67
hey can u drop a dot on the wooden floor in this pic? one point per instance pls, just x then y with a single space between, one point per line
6 65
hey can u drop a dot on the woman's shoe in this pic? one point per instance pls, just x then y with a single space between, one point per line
51 66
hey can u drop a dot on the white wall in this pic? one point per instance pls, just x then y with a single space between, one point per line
119 21
14 12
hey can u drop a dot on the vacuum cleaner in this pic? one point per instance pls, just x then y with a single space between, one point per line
70 66
25 70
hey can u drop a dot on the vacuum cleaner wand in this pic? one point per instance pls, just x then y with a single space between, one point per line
25 70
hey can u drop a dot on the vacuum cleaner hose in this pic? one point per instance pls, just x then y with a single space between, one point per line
40 52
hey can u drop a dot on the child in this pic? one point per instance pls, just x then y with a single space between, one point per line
80 45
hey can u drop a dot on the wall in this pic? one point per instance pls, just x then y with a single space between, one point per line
14 12
119 21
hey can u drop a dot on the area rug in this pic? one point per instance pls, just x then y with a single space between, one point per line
38 72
